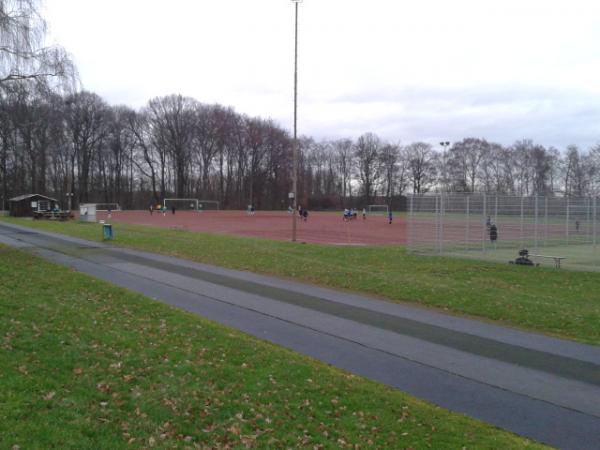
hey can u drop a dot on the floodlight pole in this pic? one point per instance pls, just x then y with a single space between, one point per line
445 145
295 143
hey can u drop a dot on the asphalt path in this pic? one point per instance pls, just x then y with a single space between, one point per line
541 387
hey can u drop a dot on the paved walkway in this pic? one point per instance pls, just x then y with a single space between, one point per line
544 388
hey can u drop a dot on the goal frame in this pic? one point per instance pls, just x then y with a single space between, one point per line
378 211
189 200
201 204
105 206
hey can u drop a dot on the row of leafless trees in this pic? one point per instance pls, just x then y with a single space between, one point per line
371 167
176 146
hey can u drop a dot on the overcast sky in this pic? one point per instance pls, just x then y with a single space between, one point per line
425 70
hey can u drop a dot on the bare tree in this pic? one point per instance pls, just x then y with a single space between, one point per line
276 164
366 151
422 165
344 157
594 164
23 55
173 119
115 158
465 161
403 170
497 170
580 171
389 158
541 168
145 156
86 119
226 123
255 144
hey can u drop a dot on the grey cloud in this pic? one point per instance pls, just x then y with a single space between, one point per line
557 117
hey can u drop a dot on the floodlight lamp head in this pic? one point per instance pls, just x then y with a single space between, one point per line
297 1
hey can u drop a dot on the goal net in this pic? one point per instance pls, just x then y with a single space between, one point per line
208 205
377 209
182 204
107 206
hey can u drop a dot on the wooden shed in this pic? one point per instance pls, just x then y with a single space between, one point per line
30 204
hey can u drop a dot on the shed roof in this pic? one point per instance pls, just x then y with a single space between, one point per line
26 196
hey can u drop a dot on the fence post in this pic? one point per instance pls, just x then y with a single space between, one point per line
522 224
496 211
410 225
545 221
588 221
468 223
442 211
484 232
595 233
567 224
436 248
535 228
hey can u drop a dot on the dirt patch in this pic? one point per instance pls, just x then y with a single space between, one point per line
320 228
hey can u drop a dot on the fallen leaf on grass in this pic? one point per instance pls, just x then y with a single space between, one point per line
234 429
103 387
249 440
209 428
49 396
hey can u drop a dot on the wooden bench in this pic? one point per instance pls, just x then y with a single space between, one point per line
52 215
557 259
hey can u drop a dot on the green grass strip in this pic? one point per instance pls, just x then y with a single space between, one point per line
85 365
561 303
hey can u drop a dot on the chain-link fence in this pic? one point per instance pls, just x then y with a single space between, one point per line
556 231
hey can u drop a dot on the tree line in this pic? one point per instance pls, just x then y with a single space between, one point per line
57 140
176 146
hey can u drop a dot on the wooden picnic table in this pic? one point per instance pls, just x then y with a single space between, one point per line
557 259
52 215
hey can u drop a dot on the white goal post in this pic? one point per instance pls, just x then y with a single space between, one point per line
184 204
377 209
107 206
205 205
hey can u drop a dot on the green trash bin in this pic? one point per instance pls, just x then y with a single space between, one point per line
107 232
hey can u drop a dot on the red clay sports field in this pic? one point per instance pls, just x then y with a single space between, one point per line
321 227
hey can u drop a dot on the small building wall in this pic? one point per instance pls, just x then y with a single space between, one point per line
23 206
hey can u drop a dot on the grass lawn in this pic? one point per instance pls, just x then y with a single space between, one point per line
556 302
86 365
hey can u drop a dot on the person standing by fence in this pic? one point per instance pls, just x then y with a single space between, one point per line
493 233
